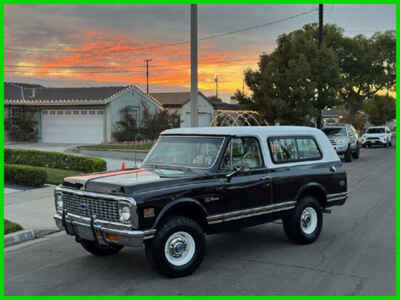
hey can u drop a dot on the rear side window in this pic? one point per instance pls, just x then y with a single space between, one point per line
293 149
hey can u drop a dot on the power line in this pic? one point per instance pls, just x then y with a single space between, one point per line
179 42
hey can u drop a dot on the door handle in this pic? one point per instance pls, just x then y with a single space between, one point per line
332 169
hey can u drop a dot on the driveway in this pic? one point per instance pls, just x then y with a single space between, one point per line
112 163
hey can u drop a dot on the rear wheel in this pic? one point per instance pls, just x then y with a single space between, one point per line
305 224
100 250
178 247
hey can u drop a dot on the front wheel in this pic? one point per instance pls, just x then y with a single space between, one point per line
305 224
100 250
178 247
356 154
348 155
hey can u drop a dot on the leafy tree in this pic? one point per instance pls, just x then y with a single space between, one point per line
284 88
126 129
297 80
367 65
380 109
23 126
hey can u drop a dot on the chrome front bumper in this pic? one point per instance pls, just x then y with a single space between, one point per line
100 231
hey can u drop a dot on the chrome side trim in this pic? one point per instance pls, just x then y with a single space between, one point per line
246 213
329 196
337 198
96 195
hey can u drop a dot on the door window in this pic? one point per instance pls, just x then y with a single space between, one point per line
242 152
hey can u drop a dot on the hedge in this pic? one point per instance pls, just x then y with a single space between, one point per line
24 175
54 160
10 227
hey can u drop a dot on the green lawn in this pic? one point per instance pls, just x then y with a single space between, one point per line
56 176
144 147
10 227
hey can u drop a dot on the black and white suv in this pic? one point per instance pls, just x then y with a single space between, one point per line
377 135
344 138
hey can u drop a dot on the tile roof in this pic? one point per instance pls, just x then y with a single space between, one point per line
172 99
17 91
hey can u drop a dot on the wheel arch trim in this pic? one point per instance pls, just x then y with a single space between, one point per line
179 202
312 186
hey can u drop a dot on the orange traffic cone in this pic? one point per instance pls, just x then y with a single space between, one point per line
123 166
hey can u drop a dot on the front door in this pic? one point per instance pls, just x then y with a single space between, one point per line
250 187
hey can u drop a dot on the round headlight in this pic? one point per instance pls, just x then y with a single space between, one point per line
124 213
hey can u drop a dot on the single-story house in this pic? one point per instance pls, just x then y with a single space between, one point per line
77 114
179 102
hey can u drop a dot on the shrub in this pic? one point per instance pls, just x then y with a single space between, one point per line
10 227
54 160
24 175
23 126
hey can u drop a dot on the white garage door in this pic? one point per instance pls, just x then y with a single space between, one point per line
72 126
204 120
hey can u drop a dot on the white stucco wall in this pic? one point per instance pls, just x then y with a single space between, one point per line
130 97
204 107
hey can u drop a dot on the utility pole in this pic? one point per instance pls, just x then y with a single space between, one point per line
147 74
321 24
216 86
320 39
193 65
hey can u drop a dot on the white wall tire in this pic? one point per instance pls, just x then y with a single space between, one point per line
304 225
178 247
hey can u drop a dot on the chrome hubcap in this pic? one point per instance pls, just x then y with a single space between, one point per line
309 220
179 248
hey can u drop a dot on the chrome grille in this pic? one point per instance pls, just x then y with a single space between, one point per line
333 141
372 138
103 209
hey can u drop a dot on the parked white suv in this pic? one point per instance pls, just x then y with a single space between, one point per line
377 135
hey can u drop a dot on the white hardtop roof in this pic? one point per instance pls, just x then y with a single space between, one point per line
244 130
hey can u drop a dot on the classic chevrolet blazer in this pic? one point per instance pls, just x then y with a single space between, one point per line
198 181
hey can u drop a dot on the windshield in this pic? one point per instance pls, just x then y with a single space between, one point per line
376 130
185 151
335 131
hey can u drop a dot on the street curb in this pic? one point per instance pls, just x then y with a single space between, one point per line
19 237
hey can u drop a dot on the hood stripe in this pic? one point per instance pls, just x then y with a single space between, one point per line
85 178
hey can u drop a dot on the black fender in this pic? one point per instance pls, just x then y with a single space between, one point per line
175 204
313 188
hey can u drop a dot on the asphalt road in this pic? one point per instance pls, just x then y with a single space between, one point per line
355 254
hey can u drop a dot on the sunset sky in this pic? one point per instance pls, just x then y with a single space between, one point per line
106 45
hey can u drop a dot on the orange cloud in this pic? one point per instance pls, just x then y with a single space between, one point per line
105 57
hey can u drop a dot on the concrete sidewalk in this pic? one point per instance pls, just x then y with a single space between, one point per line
32 209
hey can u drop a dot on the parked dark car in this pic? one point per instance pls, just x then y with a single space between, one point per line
198 181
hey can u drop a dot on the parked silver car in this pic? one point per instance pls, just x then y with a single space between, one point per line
344 138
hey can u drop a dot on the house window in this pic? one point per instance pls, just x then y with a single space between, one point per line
76 112
45 112
52 112
60 112
100 112
92 112
83 112
67 112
